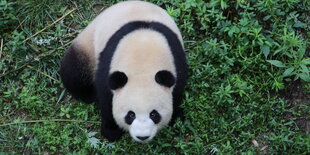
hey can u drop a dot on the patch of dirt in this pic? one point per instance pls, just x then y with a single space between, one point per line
296 97
98 8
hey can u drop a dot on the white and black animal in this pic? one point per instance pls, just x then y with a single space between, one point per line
130 61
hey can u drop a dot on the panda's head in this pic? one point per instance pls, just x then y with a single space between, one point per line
142 104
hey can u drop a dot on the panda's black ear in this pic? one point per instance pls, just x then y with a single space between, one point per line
165 78
117 80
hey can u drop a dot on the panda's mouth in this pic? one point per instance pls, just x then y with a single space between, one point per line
142 139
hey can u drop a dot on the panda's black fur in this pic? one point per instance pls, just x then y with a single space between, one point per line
77 75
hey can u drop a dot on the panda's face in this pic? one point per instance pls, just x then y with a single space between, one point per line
143 127
142 105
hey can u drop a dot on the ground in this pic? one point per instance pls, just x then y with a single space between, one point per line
248 90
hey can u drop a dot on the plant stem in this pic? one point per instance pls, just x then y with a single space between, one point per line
52 120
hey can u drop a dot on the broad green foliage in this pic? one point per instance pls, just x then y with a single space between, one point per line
7 17
244 56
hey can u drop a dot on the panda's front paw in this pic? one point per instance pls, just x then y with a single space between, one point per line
111 134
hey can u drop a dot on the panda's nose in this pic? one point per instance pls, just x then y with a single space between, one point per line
143 138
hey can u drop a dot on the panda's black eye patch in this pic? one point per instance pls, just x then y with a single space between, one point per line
155 116
117 80
130 117
165 78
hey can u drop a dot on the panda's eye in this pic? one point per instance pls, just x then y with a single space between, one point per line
130 117
155 116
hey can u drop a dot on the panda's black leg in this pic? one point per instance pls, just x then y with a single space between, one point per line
177 110
177 113
109 128
76 75
111 131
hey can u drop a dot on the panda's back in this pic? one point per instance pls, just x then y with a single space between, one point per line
96 35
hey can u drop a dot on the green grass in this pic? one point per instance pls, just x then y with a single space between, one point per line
248 91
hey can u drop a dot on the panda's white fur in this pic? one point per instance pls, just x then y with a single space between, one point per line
140 55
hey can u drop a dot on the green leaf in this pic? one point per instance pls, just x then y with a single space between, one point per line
231 32
279 12
305 77
61 96
243 21
94 142
306 61
91 134
276 63
299 24
266 50
304 68
223 4
266 17
288 72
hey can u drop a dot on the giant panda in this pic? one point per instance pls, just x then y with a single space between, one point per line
130 61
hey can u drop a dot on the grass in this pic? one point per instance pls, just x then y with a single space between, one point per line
248 90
